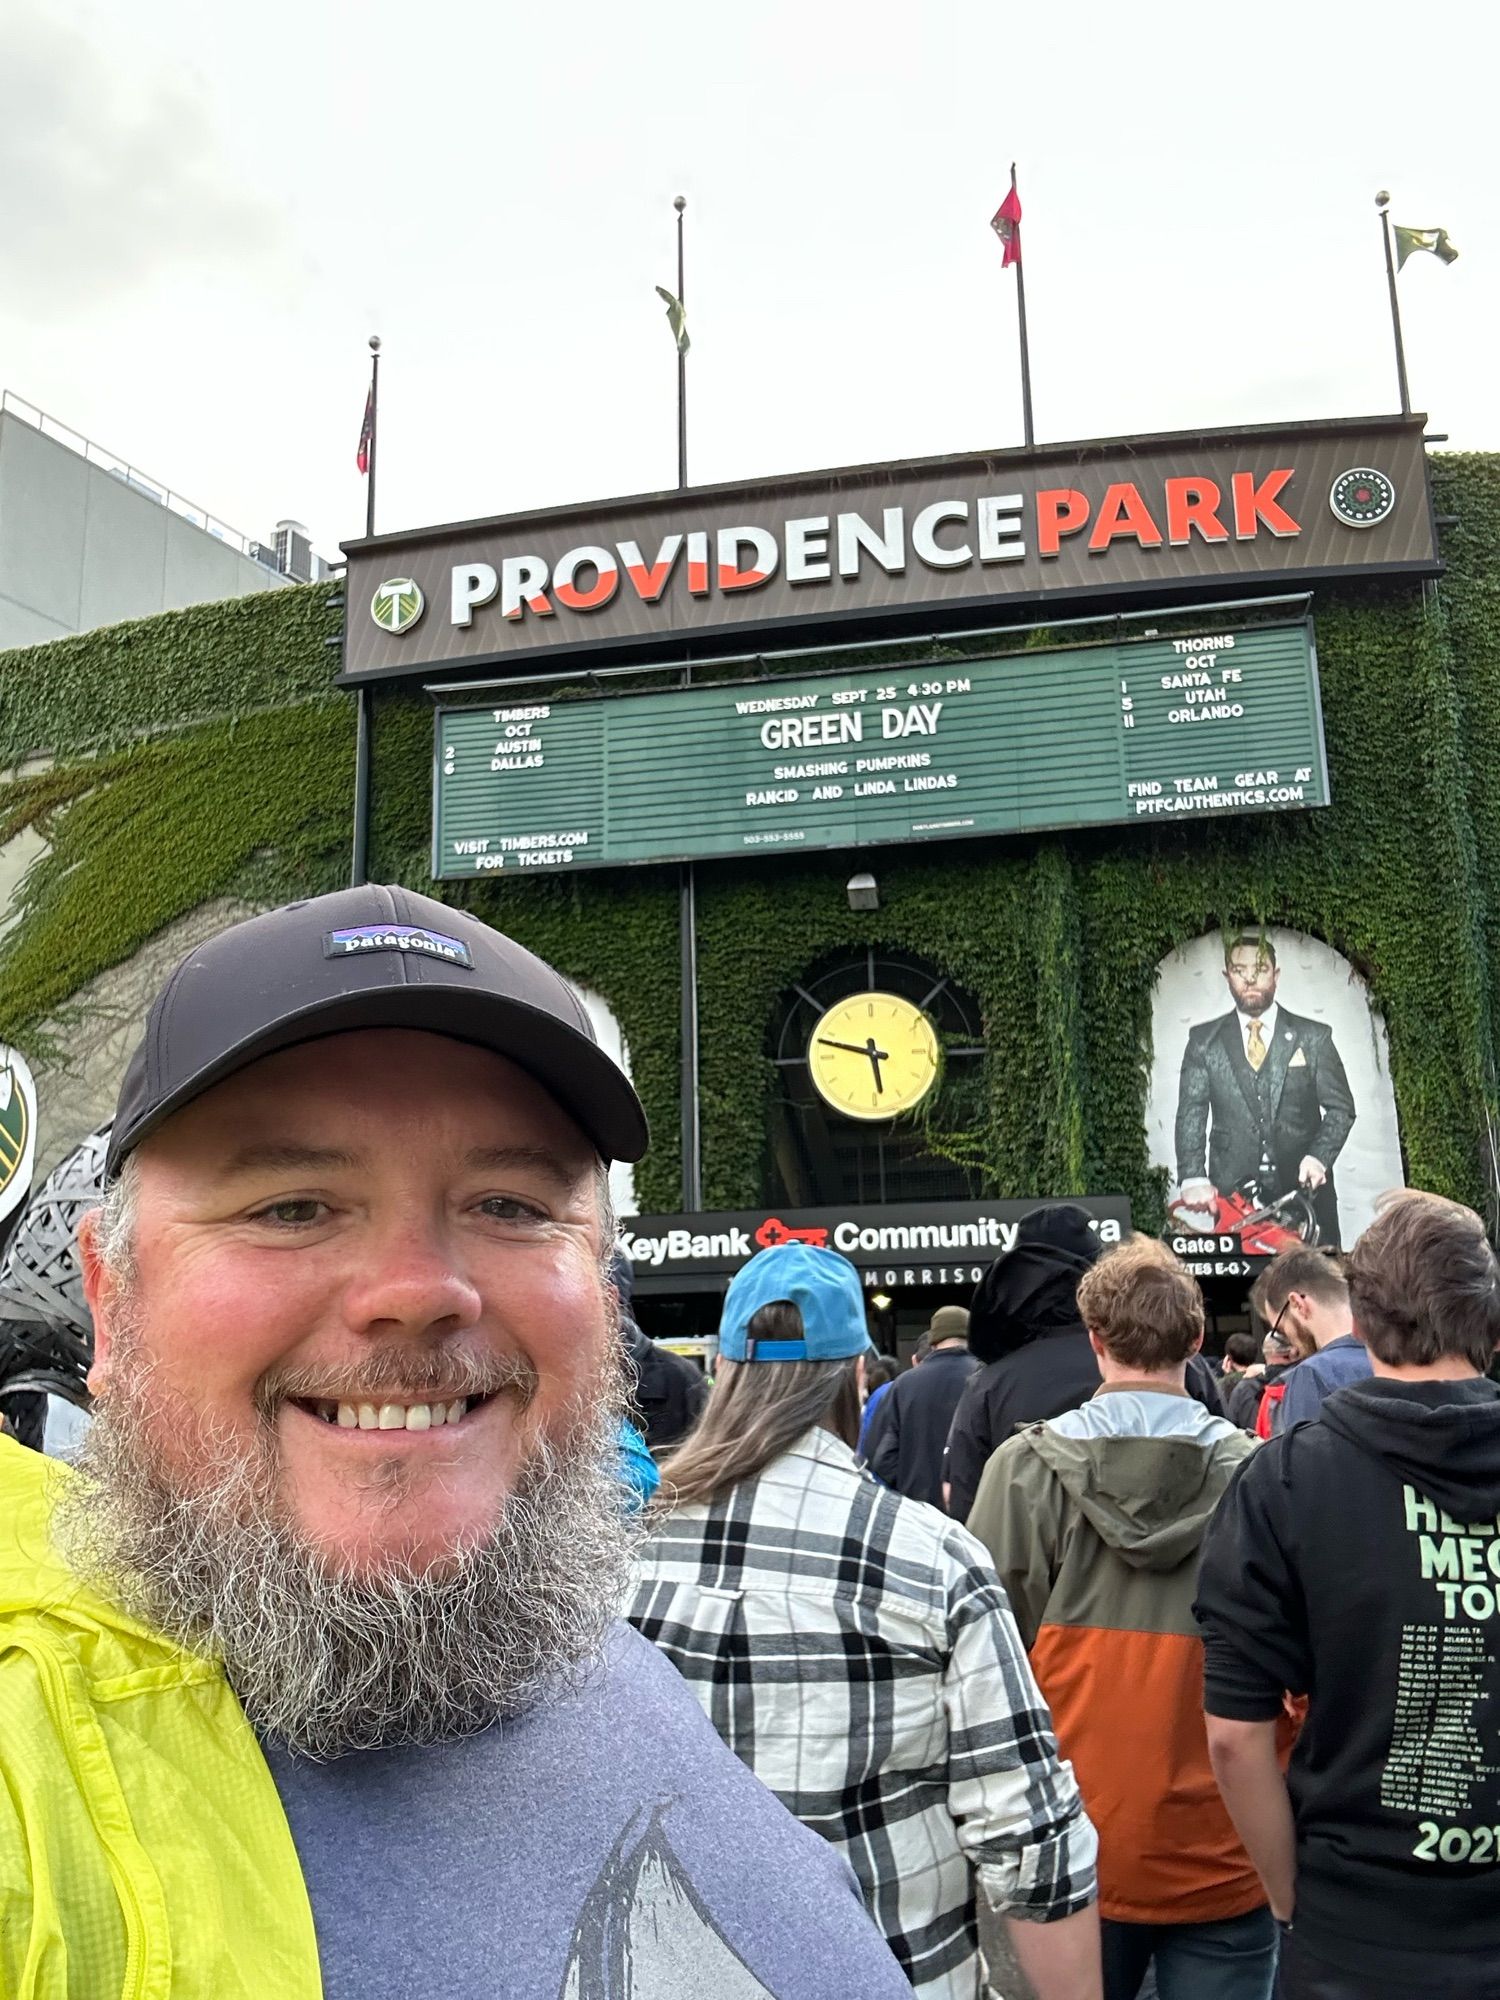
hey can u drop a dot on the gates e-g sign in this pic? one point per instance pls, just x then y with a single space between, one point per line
1146 729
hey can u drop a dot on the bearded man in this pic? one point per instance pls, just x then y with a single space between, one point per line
310 1678
1263 1098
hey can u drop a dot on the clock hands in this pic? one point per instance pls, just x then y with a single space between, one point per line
868 1048
893 1034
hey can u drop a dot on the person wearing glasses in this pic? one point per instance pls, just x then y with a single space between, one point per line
1255 1403
1094 1521
1305 1294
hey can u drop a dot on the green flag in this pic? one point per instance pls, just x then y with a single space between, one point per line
1435 240
677 317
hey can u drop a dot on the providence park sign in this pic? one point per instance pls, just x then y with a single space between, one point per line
968 534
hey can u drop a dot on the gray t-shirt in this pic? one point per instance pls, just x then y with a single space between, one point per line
605 1846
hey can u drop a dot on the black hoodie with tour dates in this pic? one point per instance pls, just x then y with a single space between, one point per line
1356 1560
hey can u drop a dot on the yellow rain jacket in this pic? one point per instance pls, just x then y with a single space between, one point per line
144 1853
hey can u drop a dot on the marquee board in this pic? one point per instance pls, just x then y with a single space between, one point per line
1140 731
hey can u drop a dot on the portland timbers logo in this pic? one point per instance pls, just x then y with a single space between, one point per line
397 604
15 1135
1361 497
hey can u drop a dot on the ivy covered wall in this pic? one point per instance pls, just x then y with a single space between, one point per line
206 754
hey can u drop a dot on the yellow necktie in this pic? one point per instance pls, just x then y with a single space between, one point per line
1256 1050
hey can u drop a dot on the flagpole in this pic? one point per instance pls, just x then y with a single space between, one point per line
687 886
682 479
374 428
1027 425
359 861
1382 202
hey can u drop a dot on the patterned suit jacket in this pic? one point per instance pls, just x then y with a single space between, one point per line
1230 1118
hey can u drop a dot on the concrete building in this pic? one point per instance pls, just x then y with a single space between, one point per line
87 540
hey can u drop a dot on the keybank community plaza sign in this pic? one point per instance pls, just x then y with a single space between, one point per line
965 535
1223 722
898 1244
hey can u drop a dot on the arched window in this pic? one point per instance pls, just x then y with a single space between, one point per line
817 1156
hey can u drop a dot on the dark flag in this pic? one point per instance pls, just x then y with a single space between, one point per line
1407 241
1006 223
366 432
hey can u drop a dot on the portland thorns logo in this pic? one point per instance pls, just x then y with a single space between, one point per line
397 604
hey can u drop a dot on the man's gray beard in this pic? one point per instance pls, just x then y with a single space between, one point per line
329 1661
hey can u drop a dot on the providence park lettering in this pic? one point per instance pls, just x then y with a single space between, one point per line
951 533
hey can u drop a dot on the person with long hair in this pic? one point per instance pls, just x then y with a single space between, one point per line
855 1649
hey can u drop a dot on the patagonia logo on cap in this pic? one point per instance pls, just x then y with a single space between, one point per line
396 937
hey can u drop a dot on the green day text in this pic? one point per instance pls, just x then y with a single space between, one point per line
890 718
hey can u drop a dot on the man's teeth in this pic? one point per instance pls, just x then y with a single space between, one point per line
393 1416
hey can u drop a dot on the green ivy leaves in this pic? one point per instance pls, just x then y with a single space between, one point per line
206 753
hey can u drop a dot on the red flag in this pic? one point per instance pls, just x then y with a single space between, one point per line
367 429
1006 223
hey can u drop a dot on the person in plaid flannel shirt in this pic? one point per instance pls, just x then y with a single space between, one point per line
857 1651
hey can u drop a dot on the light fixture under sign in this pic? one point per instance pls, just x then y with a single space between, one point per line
863 892
881 1301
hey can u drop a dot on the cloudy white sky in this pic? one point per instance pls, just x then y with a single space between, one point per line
204 212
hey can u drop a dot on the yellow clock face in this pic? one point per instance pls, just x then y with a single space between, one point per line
873 1055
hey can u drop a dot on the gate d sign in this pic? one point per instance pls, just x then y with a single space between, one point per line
397 604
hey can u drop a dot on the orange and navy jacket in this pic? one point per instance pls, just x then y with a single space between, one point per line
1094 1521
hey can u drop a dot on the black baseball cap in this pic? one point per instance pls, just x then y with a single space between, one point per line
372 957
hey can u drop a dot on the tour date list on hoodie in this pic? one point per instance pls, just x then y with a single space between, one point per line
1183 726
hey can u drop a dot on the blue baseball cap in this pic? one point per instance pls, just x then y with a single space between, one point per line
822 1285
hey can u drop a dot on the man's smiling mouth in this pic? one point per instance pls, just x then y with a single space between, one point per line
400 1415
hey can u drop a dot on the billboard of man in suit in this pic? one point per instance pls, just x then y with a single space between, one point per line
1263 1099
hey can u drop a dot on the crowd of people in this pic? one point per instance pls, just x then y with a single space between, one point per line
407 1621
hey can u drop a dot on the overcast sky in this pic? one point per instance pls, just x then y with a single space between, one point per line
205 211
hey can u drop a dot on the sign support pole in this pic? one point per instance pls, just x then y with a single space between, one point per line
1382 202
359 863
692 1138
